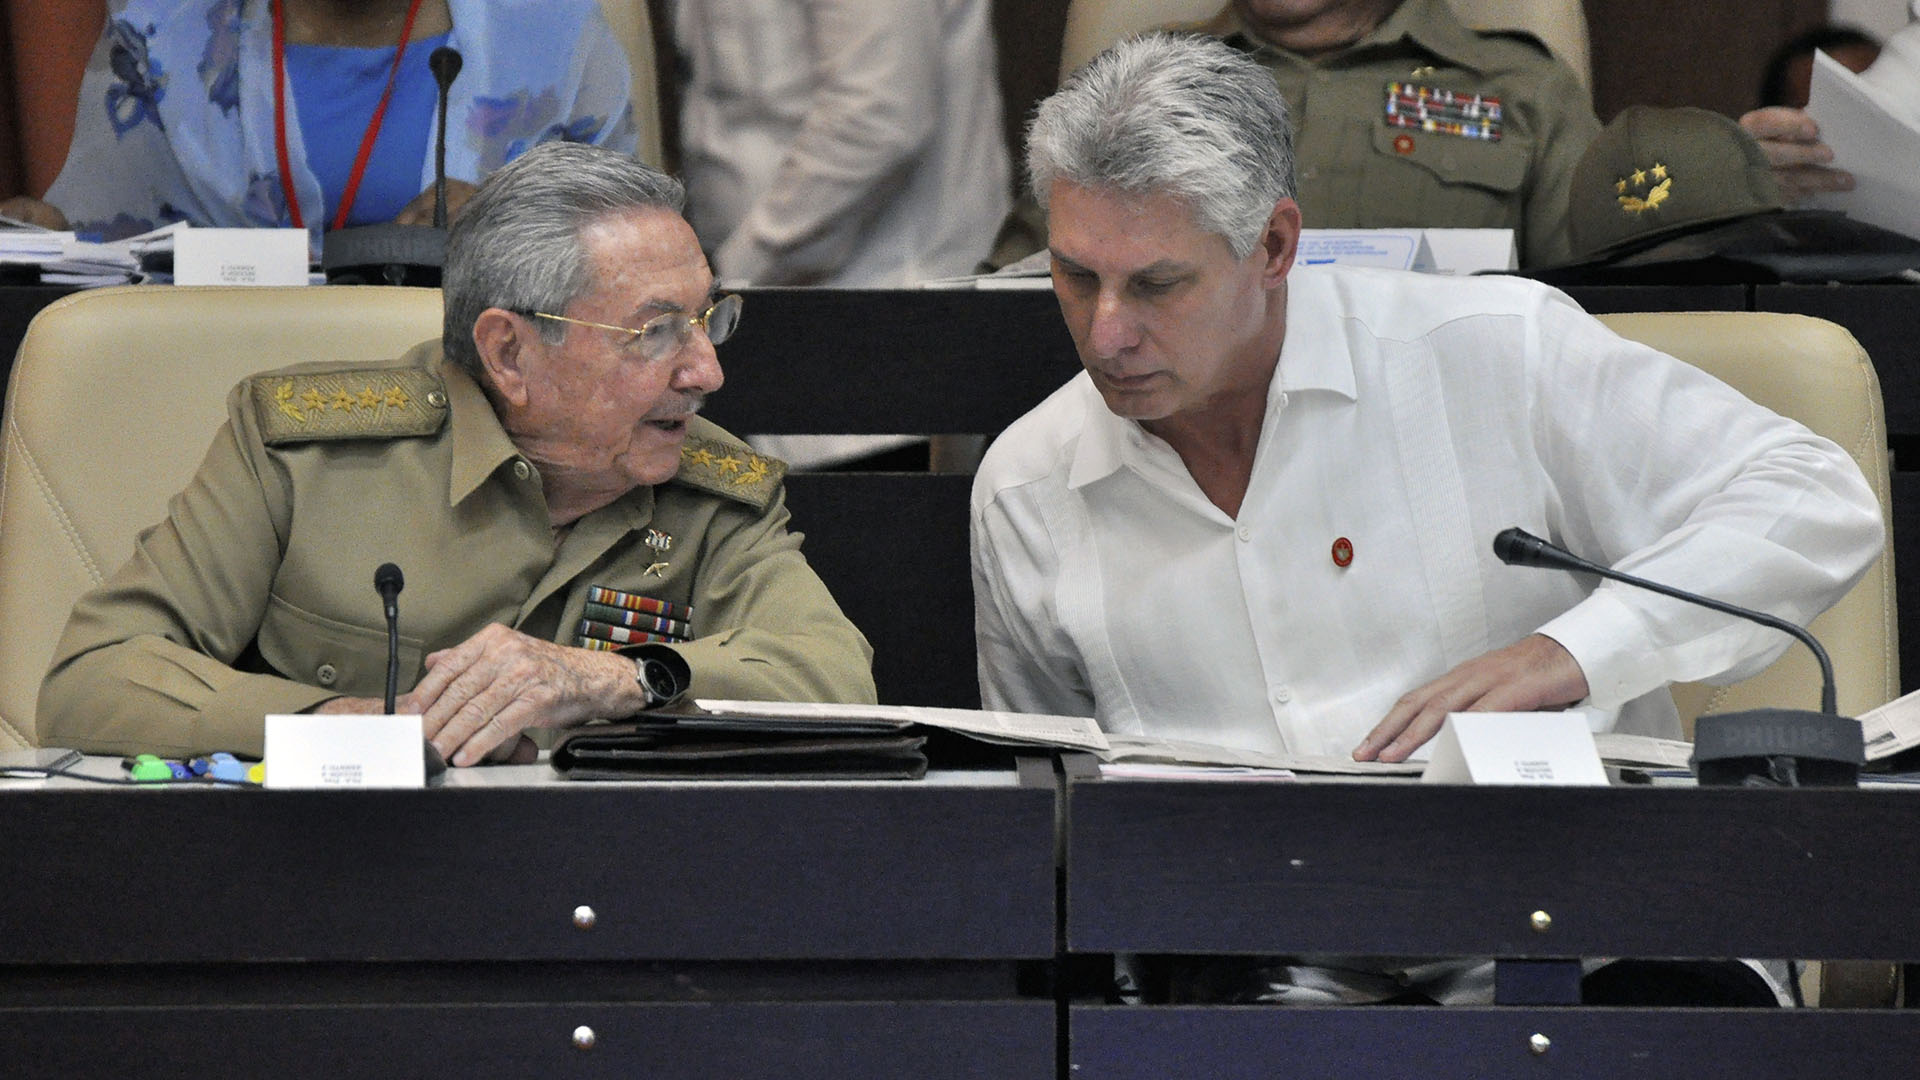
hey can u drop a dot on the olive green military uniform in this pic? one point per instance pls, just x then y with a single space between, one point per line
1357 171
255 595
1354 170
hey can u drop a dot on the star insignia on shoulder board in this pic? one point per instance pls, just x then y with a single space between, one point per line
756 471
729 464
702 456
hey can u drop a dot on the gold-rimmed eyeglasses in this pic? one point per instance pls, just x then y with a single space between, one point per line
663 336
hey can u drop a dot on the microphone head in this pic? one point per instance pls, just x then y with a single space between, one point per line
445 62
388 580
1515 546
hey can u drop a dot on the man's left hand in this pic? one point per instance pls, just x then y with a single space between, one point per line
477 697
420 210
1534 673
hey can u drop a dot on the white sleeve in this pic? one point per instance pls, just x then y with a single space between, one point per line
1011 591
1663 471
873 107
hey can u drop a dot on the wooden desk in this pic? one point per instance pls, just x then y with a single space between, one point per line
739 929
1402 869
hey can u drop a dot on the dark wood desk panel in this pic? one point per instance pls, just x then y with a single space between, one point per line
892 548
1885 319
687 1041
884 361
1617 299
1459 1043
701 872
1401 869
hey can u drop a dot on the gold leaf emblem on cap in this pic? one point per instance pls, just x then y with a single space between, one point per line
1628 189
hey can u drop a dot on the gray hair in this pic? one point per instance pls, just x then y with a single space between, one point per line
517 245
1178 115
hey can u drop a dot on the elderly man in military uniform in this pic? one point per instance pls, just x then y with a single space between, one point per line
577 543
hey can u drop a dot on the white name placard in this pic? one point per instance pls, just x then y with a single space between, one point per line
240 257
1469 251
1530 748
1392 249
305 751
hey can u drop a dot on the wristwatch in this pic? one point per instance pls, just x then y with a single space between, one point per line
663 674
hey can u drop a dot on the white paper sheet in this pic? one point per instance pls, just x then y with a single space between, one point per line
1870 140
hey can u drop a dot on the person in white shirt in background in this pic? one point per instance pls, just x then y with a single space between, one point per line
1262 517
841 142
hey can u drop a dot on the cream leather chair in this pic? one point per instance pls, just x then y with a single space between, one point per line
114 398
1817 373
633 27
1093 25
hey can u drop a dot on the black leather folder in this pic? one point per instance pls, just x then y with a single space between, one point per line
709 747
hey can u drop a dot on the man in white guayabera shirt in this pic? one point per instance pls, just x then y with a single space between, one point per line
1262 516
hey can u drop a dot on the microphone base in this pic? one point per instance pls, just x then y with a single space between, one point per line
1778 748
384 255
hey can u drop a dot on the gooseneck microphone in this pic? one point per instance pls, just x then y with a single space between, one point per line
388 582
1518 547
445 62
390 254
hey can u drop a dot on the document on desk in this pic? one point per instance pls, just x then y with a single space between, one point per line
1138 749
1023 729
1872 140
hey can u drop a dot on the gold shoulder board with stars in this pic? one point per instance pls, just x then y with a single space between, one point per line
730 470
355 403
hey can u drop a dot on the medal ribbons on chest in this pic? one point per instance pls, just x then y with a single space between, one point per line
613 617
1443 112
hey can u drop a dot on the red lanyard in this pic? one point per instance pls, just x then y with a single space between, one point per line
366 141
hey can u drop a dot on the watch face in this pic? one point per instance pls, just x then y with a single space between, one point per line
657 680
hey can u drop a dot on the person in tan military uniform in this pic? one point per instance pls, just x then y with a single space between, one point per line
1386 129
545 487
1404 117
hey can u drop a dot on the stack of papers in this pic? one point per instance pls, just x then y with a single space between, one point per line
64 259
25 245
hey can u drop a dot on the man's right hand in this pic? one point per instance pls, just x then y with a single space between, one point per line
1791 141
519 751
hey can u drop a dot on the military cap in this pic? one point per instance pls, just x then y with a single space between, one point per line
1684 196
1657 172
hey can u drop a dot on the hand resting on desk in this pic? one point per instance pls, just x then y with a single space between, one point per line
478 698
1535 672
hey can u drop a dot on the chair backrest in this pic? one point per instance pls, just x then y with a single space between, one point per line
1815 372
632 26
112 402
1093 25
